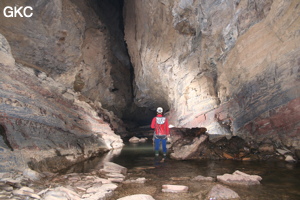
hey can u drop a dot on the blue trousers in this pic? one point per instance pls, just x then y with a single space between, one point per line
157 142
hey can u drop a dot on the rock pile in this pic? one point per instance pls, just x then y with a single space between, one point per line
188 144
49 186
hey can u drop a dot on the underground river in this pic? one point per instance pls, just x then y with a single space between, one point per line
280 180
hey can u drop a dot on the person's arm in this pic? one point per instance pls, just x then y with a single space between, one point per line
153 123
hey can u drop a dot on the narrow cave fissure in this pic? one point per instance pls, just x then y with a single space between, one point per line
110 12
4 138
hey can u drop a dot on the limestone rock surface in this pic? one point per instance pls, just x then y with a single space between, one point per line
66 40
41 118
230 66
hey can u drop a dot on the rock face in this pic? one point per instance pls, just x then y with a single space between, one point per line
40 118
67 41
229 66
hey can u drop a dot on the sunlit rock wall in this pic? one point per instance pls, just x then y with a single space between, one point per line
41 118
230 66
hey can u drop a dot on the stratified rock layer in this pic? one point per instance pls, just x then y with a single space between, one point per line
67 40
40 118
229 66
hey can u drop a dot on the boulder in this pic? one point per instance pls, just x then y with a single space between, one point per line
183 151
111 167
289 158
239 178
283 151
134 139
221 192
31 174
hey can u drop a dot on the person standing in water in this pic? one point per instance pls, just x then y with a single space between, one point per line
160 125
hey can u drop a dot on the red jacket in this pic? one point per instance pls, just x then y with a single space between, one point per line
161 125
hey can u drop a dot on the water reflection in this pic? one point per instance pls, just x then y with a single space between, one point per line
280 179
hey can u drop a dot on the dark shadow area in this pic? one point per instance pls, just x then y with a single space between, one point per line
110 12
4 137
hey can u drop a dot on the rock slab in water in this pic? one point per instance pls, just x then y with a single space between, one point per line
175 188
203 178
137 140
222 192
111 167
138 180
137 197
239 178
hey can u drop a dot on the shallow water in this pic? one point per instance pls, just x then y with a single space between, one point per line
280 180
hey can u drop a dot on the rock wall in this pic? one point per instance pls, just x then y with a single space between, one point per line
41 118
56 80
67 40
230 66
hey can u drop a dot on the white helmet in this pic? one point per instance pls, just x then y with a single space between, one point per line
159 110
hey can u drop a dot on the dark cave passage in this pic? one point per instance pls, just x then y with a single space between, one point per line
110 12
4 137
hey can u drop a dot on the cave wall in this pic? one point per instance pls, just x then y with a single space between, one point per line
41 118
58 76
67 40
230 66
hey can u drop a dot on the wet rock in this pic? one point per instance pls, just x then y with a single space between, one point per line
138 180
115 177
134 140
283 151
32 175
239 178
180 178
266 148
174 188
137 197
68 192
27 192
137 140
187 149
110 167
56 195
289 158
203 178
100 192
221 192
